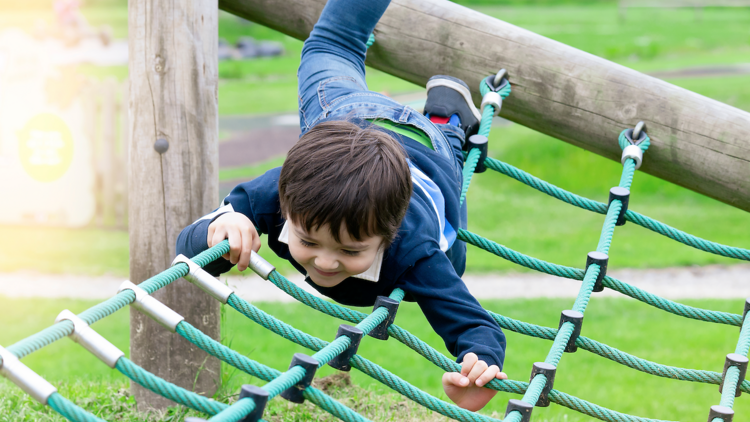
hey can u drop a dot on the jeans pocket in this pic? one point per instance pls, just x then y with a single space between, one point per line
333 89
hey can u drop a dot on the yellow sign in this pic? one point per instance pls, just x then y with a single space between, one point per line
45 147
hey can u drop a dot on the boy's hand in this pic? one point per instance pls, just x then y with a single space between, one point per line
242 236
466 389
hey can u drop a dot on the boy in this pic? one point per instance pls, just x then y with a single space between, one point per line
368 199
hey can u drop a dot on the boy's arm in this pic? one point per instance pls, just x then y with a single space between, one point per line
257 199
453 312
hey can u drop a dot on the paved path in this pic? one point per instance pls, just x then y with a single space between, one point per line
673 283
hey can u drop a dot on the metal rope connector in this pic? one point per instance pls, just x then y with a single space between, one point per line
576 318
341 362
633 152
623 195
259 396
381 331
480 142
152 307
498 81
204 280
637 133
91 340
520 406
634 137
26 379
722 412
548 370
744 313
734 359
601 259
261 267
492 99
310 365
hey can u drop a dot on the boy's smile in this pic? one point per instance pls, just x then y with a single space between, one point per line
327 261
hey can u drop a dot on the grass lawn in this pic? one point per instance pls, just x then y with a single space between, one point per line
622 323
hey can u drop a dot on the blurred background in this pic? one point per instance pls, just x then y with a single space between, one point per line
63 190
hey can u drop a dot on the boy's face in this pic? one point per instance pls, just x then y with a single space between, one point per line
327 261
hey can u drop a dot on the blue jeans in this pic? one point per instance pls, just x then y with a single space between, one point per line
332 77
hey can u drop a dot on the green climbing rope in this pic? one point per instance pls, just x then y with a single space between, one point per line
472 159
610 282
166 389
630 215
69 410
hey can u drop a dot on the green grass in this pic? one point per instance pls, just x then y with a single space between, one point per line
87 251
250 172
649 34
622 323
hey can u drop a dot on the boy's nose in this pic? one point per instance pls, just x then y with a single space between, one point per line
326 262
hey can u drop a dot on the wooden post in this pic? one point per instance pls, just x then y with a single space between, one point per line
698 143
173 96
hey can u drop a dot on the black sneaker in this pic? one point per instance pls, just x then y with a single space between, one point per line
447 96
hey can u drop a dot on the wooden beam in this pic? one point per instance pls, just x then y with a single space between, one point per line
698 143
173 96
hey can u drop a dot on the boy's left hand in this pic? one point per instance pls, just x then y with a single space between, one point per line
466 389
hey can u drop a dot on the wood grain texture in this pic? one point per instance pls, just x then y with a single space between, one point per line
173 95
698 143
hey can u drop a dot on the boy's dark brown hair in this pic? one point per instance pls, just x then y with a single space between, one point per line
341 174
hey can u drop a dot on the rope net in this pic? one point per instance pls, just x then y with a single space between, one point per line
294 384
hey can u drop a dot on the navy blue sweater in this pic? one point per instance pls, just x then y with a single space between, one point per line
414 261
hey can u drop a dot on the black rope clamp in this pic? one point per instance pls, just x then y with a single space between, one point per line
601 259
744 314
548 370
722 412
734 359
310 365
624 196
498 81
480 142
259 396
381 331
577 319
521 406
341 362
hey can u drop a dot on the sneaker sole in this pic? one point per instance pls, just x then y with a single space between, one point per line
458 87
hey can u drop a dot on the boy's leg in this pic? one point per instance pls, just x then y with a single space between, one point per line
333 57
455 136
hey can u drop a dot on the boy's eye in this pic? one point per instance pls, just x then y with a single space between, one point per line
350 253
306 243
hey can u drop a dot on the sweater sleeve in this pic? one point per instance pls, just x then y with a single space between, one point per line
257 199
452 311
